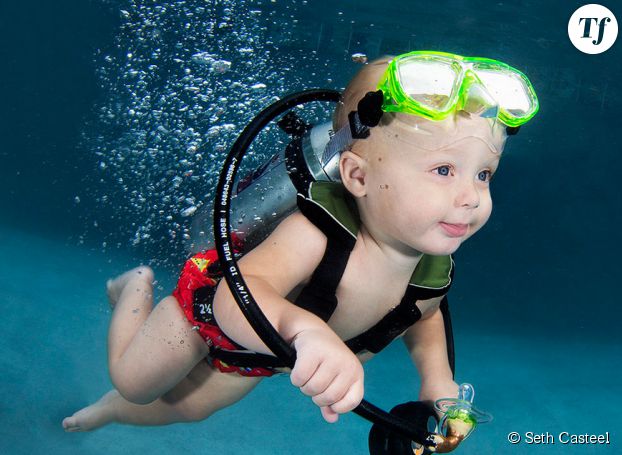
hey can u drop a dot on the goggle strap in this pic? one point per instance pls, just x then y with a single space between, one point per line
337 143
367 115
370 108
358 129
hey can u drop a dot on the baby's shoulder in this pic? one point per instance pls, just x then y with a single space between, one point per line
289 255
298 229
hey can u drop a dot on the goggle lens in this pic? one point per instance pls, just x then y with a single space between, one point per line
428 82
508 89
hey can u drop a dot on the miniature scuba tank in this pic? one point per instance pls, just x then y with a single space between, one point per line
266 195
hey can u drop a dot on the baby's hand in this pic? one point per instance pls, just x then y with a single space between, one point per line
328 371
432 390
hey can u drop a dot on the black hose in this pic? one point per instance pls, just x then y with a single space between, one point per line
222 226
233 276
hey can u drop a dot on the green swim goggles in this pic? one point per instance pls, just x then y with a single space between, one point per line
434 84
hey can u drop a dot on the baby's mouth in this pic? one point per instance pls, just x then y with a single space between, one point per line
454 230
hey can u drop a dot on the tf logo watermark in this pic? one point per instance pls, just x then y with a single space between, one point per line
593 29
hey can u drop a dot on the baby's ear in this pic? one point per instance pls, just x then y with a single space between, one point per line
353 170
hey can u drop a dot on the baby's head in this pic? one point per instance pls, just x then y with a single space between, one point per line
419 183
419 131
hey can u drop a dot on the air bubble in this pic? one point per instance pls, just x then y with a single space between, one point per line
189 211
169 105
359 58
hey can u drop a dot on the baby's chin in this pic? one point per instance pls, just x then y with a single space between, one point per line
441 251
442 248
436 243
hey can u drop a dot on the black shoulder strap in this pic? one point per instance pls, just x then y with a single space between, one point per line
389 327
318 296
401 318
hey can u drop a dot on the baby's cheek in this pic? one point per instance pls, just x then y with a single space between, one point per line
484 214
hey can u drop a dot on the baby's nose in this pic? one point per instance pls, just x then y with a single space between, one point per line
468 195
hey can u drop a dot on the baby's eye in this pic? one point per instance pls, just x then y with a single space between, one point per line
484 176
443 170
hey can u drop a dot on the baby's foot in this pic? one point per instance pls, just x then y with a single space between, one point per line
115 286
93 416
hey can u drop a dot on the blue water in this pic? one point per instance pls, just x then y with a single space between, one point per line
534 304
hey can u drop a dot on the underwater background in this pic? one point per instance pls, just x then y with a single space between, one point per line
114 119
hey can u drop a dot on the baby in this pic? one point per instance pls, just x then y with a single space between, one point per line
362 262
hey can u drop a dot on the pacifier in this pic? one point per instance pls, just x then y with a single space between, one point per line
460 416
459 419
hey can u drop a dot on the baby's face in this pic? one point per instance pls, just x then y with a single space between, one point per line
430 200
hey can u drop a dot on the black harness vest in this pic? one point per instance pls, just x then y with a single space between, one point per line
331 208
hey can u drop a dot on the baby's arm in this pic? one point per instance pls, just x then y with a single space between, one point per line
325 368
427 345
271 270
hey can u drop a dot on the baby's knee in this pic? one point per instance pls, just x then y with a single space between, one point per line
189 412
187 407
145 273
130 389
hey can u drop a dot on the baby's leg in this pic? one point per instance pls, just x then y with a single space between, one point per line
149 352
204 391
